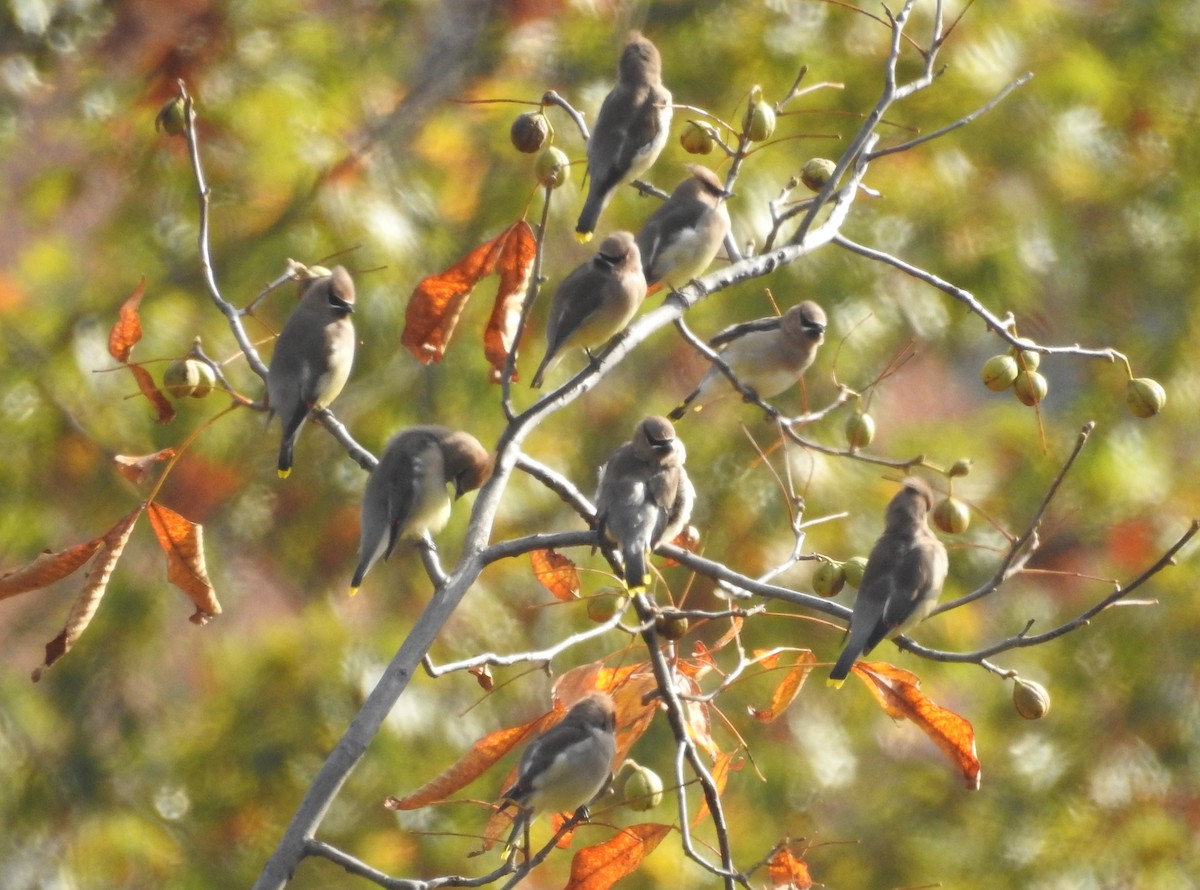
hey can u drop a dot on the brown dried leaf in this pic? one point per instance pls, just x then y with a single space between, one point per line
436 303
162 405
483 676
135 468
696 712
601 866
723 765
183 542
899 693
128 328
515 266
786 692
688 539
88 601
483 754
47 568
788 872
735 628
556 573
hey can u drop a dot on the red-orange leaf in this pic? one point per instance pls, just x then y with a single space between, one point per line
899 693
47 568
135 468
515 266
162 405
436 303
722 767
688 539
183 542
788 872
128 328
556 573
88 601
483 754
786 692
601 866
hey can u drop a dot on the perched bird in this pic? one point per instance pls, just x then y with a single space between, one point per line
630 130
566 766
768 359
683 235
903 578
645 496
595 301
312 357
406 493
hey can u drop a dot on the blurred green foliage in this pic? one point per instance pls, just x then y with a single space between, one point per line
160 754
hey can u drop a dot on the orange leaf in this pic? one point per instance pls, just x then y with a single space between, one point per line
88 601
786 692
735 628
483 676
128 328
435 305
722 767
787 872
515 267
899 693
135 468
556 573
483 754
688 539
183 542
601 866
47 568
696 712
162 405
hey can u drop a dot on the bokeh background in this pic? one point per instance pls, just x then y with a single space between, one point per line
160 754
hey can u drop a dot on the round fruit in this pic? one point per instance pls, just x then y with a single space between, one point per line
760 117
860 429
171 118
1027 359
951 516
1030 387
552 167
181 377
205 379
530 131
602 607
1145 396
853 570
643 789
829 579
999 372
817 172
1031 700
697 139
671 627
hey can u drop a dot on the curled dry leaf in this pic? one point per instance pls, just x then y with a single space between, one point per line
601 866
163 409
787 690
556 573
48 568
183 542
128 328
135 468
723 765
899 694
437 302
788 872
85 605
483 676
516 267
696 712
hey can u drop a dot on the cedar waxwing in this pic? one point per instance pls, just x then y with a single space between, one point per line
406 493
566 766
595 301
683 235
767 361
644 496
312 357
903 578
630 131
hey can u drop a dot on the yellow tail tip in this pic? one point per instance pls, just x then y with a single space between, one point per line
583 237
283 474
353 590
834 684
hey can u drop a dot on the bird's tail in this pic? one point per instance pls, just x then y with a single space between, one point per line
682 408
597 198
636 575
841 670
